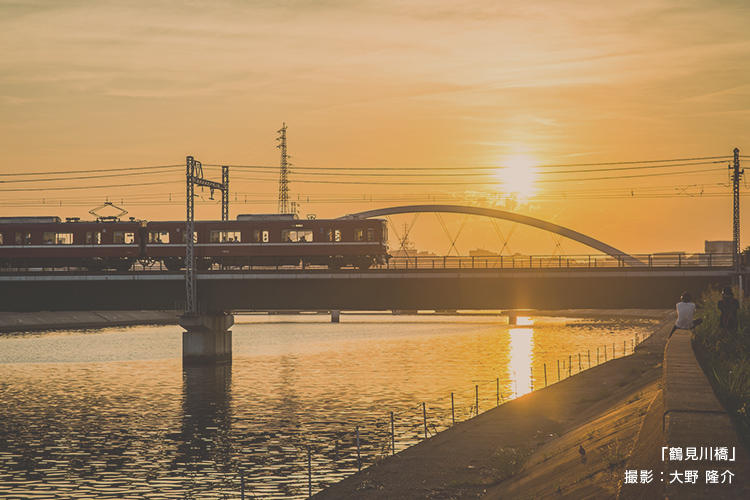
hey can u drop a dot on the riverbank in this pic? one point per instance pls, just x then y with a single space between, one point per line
574 439
45 320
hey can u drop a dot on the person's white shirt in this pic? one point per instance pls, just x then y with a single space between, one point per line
685 311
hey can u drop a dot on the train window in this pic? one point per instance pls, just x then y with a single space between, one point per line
329 234
64 238
121 237
256 235
158 237
184 237
337 235
296 235
370 234
49 238
93 237
1 238
265 236
224 237
358 235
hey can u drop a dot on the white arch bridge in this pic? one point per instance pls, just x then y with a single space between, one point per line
509 216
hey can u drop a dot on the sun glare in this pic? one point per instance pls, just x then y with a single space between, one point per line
518 175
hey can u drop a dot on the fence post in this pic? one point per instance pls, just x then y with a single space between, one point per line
624 346
531 380
477 397
498 392
309 471
580 367
605 353
613 351
453 410
545 374
393 436
588 352
597 356
570 365
359 461
424 416
558 370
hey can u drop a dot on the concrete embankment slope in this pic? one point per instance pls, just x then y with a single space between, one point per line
694 419
24 322
579 437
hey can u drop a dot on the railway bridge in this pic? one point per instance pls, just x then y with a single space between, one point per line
608 279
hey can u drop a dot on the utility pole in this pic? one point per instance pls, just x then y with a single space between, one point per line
195 177
207 338
225 194
736 176
283 173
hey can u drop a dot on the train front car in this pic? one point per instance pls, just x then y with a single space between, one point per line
284 240
359 243
49 243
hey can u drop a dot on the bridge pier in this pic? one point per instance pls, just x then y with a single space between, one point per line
335 316
207 339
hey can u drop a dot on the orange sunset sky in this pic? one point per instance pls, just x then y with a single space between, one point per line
527 106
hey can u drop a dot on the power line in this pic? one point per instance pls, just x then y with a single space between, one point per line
69 188
498 181
55 172
65 179
359 168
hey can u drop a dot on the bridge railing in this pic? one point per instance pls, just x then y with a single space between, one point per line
556 261
669 260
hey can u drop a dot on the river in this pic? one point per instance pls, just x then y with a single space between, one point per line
111 413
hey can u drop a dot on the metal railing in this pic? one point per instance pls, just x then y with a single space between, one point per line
557 261
680 260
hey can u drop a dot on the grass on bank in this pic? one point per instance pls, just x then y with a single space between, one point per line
725 359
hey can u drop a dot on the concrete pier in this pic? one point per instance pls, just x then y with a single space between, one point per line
207 338
335 316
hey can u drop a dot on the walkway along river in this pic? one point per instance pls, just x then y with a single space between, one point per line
108 412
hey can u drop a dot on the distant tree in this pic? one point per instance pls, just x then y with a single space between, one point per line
746 256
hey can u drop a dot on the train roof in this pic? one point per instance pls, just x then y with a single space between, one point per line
249 217
30 220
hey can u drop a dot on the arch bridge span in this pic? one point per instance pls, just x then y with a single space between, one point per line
509 216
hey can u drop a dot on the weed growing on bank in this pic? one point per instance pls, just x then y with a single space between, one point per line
725 359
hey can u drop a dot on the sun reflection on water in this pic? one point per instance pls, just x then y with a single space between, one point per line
521 358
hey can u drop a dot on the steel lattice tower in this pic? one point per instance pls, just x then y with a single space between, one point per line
284 207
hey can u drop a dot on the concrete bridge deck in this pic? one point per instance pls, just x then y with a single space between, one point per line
375 289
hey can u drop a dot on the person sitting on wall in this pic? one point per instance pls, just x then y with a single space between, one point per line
685 311
728 306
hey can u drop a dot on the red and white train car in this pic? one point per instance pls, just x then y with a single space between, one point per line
49 242
271 240
251 240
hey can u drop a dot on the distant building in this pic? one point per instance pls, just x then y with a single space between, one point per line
719 247
481 252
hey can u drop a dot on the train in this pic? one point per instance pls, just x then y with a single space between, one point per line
250 240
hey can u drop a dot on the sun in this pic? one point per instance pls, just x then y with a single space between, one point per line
518 175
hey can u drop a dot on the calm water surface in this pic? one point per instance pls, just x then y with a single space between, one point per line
111 413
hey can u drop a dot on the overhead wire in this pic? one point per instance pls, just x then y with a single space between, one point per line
479 172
